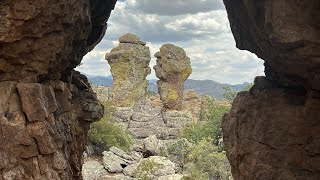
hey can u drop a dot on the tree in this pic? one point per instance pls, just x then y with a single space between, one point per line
247 88
106 133
229 94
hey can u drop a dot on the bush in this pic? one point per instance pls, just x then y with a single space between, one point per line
229 94
145 170
105 133
206 162
177 152
197 131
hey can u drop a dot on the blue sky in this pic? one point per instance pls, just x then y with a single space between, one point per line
201 27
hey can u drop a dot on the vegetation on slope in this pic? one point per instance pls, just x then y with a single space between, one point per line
106 133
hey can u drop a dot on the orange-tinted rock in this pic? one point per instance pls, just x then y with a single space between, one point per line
57 129
272 131
45 107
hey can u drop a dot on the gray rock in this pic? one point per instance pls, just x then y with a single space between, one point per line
171 177
130 38
112 162
91 169
153 146
129 170
133 156
123 114
109 176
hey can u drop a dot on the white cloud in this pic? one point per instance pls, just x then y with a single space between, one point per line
174 7
204 34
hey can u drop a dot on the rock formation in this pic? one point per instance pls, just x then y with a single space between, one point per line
273 131
129 63
173 68
45 107
104 93
119 165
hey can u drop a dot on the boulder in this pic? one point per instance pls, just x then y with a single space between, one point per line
152 146
116 159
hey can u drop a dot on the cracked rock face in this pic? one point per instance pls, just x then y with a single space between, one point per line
129 63
273 131
45 107
172 68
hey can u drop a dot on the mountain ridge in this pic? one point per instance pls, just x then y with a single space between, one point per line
203 87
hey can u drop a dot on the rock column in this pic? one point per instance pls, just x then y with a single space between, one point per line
129 63
172 68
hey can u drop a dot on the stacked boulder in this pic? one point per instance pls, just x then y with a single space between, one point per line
173 68
129 63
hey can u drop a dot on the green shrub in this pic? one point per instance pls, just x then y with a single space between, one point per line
177 152
145 170
206 162
229 94
105 133
197 131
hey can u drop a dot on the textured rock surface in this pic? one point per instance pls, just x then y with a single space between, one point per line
129 63
116 159
43 127
45 107
173 68
272 132
104 93
92 169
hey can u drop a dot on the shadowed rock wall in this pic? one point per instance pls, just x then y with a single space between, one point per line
45 107
273 131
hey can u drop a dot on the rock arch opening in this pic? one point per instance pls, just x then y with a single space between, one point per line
46 108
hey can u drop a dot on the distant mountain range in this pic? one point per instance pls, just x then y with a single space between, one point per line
203 87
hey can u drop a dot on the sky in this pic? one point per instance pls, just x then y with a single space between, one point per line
200 27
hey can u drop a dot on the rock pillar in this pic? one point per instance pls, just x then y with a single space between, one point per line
129 63
172 68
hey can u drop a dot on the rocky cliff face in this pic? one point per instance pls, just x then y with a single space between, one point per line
129 64
46 107
273 131
173 68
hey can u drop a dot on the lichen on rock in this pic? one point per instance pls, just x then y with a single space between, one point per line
129 63
172 68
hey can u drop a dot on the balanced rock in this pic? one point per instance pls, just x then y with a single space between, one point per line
129 63
173 68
